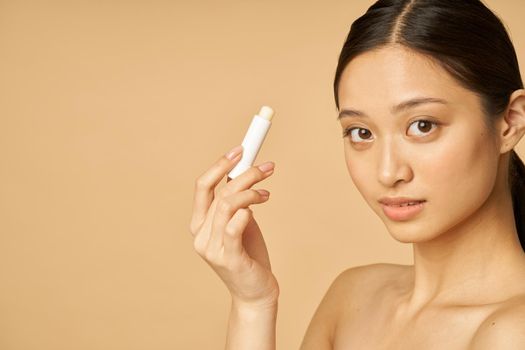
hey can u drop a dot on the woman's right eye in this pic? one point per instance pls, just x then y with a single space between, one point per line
362 133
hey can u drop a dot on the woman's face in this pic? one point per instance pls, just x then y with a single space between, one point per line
452 164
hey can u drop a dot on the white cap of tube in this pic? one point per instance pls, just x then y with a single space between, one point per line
253 140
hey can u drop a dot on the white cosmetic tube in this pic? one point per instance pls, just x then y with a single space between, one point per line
253 140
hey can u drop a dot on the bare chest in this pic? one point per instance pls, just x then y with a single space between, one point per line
376 328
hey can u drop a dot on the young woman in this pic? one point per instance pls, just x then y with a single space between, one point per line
431 105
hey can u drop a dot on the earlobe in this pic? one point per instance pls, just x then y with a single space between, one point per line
513 122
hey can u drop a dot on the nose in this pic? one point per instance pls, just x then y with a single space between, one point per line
393 165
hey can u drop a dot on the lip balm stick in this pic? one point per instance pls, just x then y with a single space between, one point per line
253 140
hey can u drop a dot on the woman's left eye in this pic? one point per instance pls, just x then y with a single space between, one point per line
424 125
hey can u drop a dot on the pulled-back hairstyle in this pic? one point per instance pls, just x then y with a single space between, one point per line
463 37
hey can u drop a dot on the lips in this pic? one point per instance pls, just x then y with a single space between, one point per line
400 201
405 204
401 208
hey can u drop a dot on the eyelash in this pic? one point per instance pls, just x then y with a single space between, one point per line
348 130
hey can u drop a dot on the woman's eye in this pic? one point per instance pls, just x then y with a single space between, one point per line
357 132
424 126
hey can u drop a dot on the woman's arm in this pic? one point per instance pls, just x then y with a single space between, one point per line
251 327
229 239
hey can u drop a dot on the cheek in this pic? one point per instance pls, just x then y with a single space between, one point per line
360 170
460 174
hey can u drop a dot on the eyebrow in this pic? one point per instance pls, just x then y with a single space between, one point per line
395 109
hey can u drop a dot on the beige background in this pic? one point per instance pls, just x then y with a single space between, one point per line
109 110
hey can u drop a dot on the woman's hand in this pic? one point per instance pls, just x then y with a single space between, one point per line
227 236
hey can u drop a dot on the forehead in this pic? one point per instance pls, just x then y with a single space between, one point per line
383 77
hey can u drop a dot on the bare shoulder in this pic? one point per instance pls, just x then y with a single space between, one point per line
360 284
377 271
504 328
368 278
346 287
365 280
349 287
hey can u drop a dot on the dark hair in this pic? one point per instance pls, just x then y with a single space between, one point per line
464 38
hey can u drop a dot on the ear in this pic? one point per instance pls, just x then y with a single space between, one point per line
512 125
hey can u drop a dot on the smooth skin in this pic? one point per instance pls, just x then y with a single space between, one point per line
229 239
227 235
466 289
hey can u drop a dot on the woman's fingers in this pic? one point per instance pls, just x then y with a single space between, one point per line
205 186
225 211
226 234
233 233
226 202
247 179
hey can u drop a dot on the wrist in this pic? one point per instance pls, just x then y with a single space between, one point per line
255 307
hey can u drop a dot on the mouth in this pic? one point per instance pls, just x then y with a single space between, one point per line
400 201
405 204
403 211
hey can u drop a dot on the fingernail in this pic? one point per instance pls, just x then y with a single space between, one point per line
234 152
266 167
264 193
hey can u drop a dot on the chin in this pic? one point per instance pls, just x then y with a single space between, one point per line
410 232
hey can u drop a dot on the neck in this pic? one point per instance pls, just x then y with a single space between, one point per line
469 263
